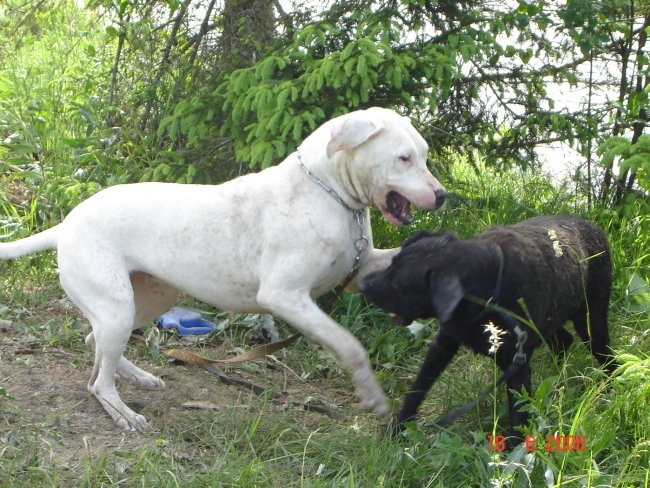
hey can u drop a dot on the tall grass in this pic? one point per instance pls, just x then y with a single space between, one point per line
575 399
263 447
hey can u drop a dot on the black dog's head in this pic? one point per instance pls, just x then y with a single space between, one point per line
421 281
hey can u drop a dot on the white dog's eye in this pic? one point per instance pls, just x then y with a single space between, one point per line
405 159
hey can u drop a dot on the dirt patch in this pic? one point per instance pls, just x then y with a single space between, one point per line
49 398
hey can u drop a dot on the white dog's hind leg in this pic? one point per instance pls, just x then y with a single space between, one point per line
138 376
152 297
127 370
299 310
110 338
101 288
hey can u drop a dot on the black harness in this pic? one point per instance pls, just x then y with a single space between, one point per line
519 358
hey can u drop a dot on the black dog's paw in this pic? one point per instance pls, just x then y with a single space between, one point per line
394 427
404 431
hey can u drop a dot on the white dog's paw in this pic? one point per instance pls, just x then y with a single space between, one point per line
371 395
139 377
134 423
148 382
122 415
377 405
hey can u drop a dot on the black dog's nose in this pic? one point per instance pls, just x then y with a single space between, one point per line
361 284
364 281
441 195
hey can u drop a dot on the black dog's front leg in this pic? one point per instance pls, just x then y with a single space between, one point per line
520 379
441 351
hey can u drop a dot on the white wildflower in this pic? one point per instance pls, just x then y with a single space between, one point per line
495 336
500 483
355 425
557 247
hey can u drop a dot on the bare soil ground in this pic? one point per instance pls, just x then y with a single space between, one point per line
48 397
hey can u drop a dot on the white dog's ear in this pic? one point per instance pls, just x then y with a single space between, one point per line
350 133
448 293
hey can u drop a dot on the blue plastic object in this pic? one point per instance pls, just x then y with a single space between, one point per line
186 322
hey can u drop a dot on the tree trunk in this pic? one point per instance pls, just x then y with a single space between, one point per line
248 28
626 179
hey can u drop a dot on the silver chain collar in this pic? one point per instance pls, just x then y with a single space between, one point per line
361 243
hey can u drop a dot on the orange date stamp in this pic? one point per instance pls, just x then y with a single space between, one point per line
552 443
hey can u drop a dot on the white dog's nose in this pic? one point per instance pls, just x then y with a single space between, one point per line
441 195
432 197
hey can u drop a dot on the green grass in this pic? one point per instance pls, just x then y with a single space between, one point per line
261 446
253 449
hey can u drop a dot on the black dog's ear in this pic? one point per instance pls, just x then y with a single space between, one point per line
443 237
416 237
447 292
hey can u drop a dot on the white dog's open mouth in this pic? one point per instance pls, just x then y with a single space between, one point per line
397 209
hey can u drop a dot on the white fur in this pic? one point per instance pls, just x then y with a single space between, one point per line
264 242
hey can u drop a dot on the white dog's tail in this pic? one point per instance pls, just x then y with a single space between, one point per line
47 239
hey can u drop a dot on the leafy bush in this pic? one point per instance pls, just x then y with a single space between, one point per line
633 157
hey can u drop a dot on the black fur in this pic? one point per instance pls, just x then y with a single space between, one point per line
437 274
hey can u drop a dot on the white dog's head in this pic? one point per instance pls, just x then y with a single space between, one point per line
379 158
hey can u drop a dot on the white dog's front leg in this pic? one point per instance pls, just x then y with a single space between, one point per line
299 310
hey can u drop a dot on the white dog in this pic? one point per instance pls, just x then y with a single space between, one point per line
266 242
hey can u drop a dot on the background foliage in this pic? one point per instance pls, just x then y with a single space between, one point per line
202 90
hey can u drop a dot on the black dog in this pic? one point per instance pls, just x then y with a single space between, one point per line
547 270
